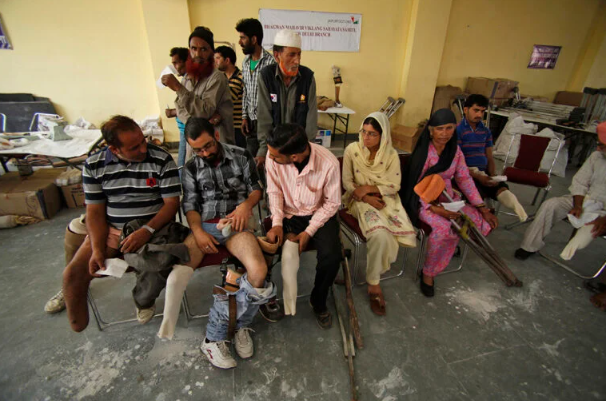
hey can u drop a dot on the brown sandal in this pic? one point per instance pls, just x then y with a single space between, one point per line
377 304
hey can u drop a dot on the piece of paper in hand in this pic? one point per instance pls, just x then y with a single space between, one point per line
169 69
499 178
453 206
114 267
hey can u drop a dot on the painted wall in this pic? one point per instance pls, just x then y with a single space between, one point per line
597 74
369 75
91 58
495 39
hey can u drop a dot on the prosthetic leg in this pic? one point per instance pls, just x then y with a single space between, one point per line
175 287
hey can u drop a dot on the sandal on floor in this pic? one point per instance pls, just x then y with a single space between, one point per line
595 287
377 304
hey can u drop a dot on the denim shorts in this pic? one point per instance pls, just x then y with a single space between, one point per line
212 229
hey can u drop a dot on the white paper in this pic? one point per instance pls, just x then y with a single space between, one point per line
81 143
169 69
499 178
591 211
114 267
453 206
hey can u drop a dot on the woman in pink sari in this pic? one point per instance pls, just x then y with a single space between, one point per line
437 152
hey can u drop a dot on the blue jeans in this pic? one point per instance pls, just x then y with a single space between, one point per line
248 301
182 144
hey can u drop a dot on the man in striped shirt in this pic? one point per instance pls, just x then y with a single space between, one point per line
475 140
225 61
256 58
127 180
304 189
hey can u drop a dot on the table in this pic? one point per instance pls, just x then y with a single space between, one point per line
82 142
550 121
339 114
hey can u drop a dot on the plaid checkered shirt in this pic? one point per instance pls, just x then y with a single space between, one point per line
249 102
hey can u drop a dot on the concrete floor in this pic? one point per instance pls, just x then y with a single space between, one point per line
476 340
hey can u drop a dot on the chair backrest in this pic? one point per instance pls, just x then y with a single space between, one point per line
532 149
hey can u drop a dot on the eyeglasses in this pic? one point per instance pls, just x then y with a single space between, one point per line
206 148
371 134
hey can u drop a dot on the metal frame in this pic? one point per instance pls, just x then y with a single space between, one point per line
570 269
421 259
357 242
3 122
536 195
37 116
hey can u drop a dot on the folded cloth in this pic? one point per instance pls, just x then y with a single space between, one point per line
591 211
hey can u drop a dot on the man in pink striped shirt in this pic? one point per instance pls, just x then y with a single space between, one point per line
304 189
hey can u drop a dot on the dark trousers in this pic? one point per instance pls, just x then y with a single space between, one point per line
489 192
328 244
252 141
149 286
240 138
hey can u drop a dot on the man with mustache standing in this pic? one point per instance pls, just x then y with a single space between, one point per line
205 90
287 92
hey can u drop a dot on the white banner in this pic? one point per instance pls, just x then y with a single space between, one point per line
336 32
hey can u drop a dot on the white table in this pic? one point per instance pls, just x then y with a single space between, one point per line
82 142
339 114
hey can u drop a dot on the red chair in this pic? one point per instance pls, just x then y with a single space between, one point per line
351 230
526 169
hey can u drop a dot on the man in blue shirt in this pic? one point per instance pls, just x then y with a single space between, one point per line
475 140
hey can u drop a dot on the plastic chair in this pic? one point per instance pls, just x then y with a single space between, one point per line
526 169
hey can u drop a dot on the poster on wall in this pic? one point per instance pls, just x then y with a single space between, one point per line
4 42
544 57
320 31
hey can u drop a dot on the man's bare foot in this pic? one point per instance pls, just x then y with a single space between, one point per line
599 301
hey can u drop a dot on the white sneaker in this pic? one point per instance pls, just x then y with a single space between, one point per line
145 315
218 354
56 304
244 343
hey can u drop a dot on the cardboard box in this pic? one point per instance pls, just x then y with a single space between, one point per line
405 138
73 195
35 195
324 137
499 89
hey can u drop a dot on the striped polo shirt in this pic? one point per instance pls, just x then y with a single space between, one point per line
131 190
236 87
473 143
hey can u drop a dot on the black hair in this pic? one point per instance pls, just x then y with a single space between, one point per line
251 27
479 100
114 126
227 53
375 124
203 33
289 139
182 52
196 126
278 48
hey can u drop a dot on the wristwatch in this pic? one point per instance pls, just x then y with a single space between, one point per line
148 228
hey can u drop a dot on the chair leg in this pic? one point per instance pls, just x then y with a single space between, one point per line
536 195
569 269
93 305
463 257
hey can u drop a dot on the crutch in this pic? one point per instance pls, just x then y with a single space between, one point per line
394 107
429 189
387 105
351 335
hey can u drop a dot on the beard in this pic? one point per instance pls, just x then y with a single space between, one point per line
199 70
250 49
287 72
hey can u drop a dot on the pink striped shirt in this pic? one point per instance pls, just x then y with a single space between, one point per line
316 191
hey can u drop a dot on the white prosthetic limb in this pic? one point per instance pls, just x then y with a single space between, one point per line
508 199
290 267
175 287
580 240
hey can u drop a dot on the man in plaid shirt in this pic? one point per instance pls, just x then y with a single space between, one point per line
256 58
221 185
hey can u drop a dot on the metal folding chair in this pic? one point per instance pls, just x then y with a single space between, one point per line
351 230
570 269
526 168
